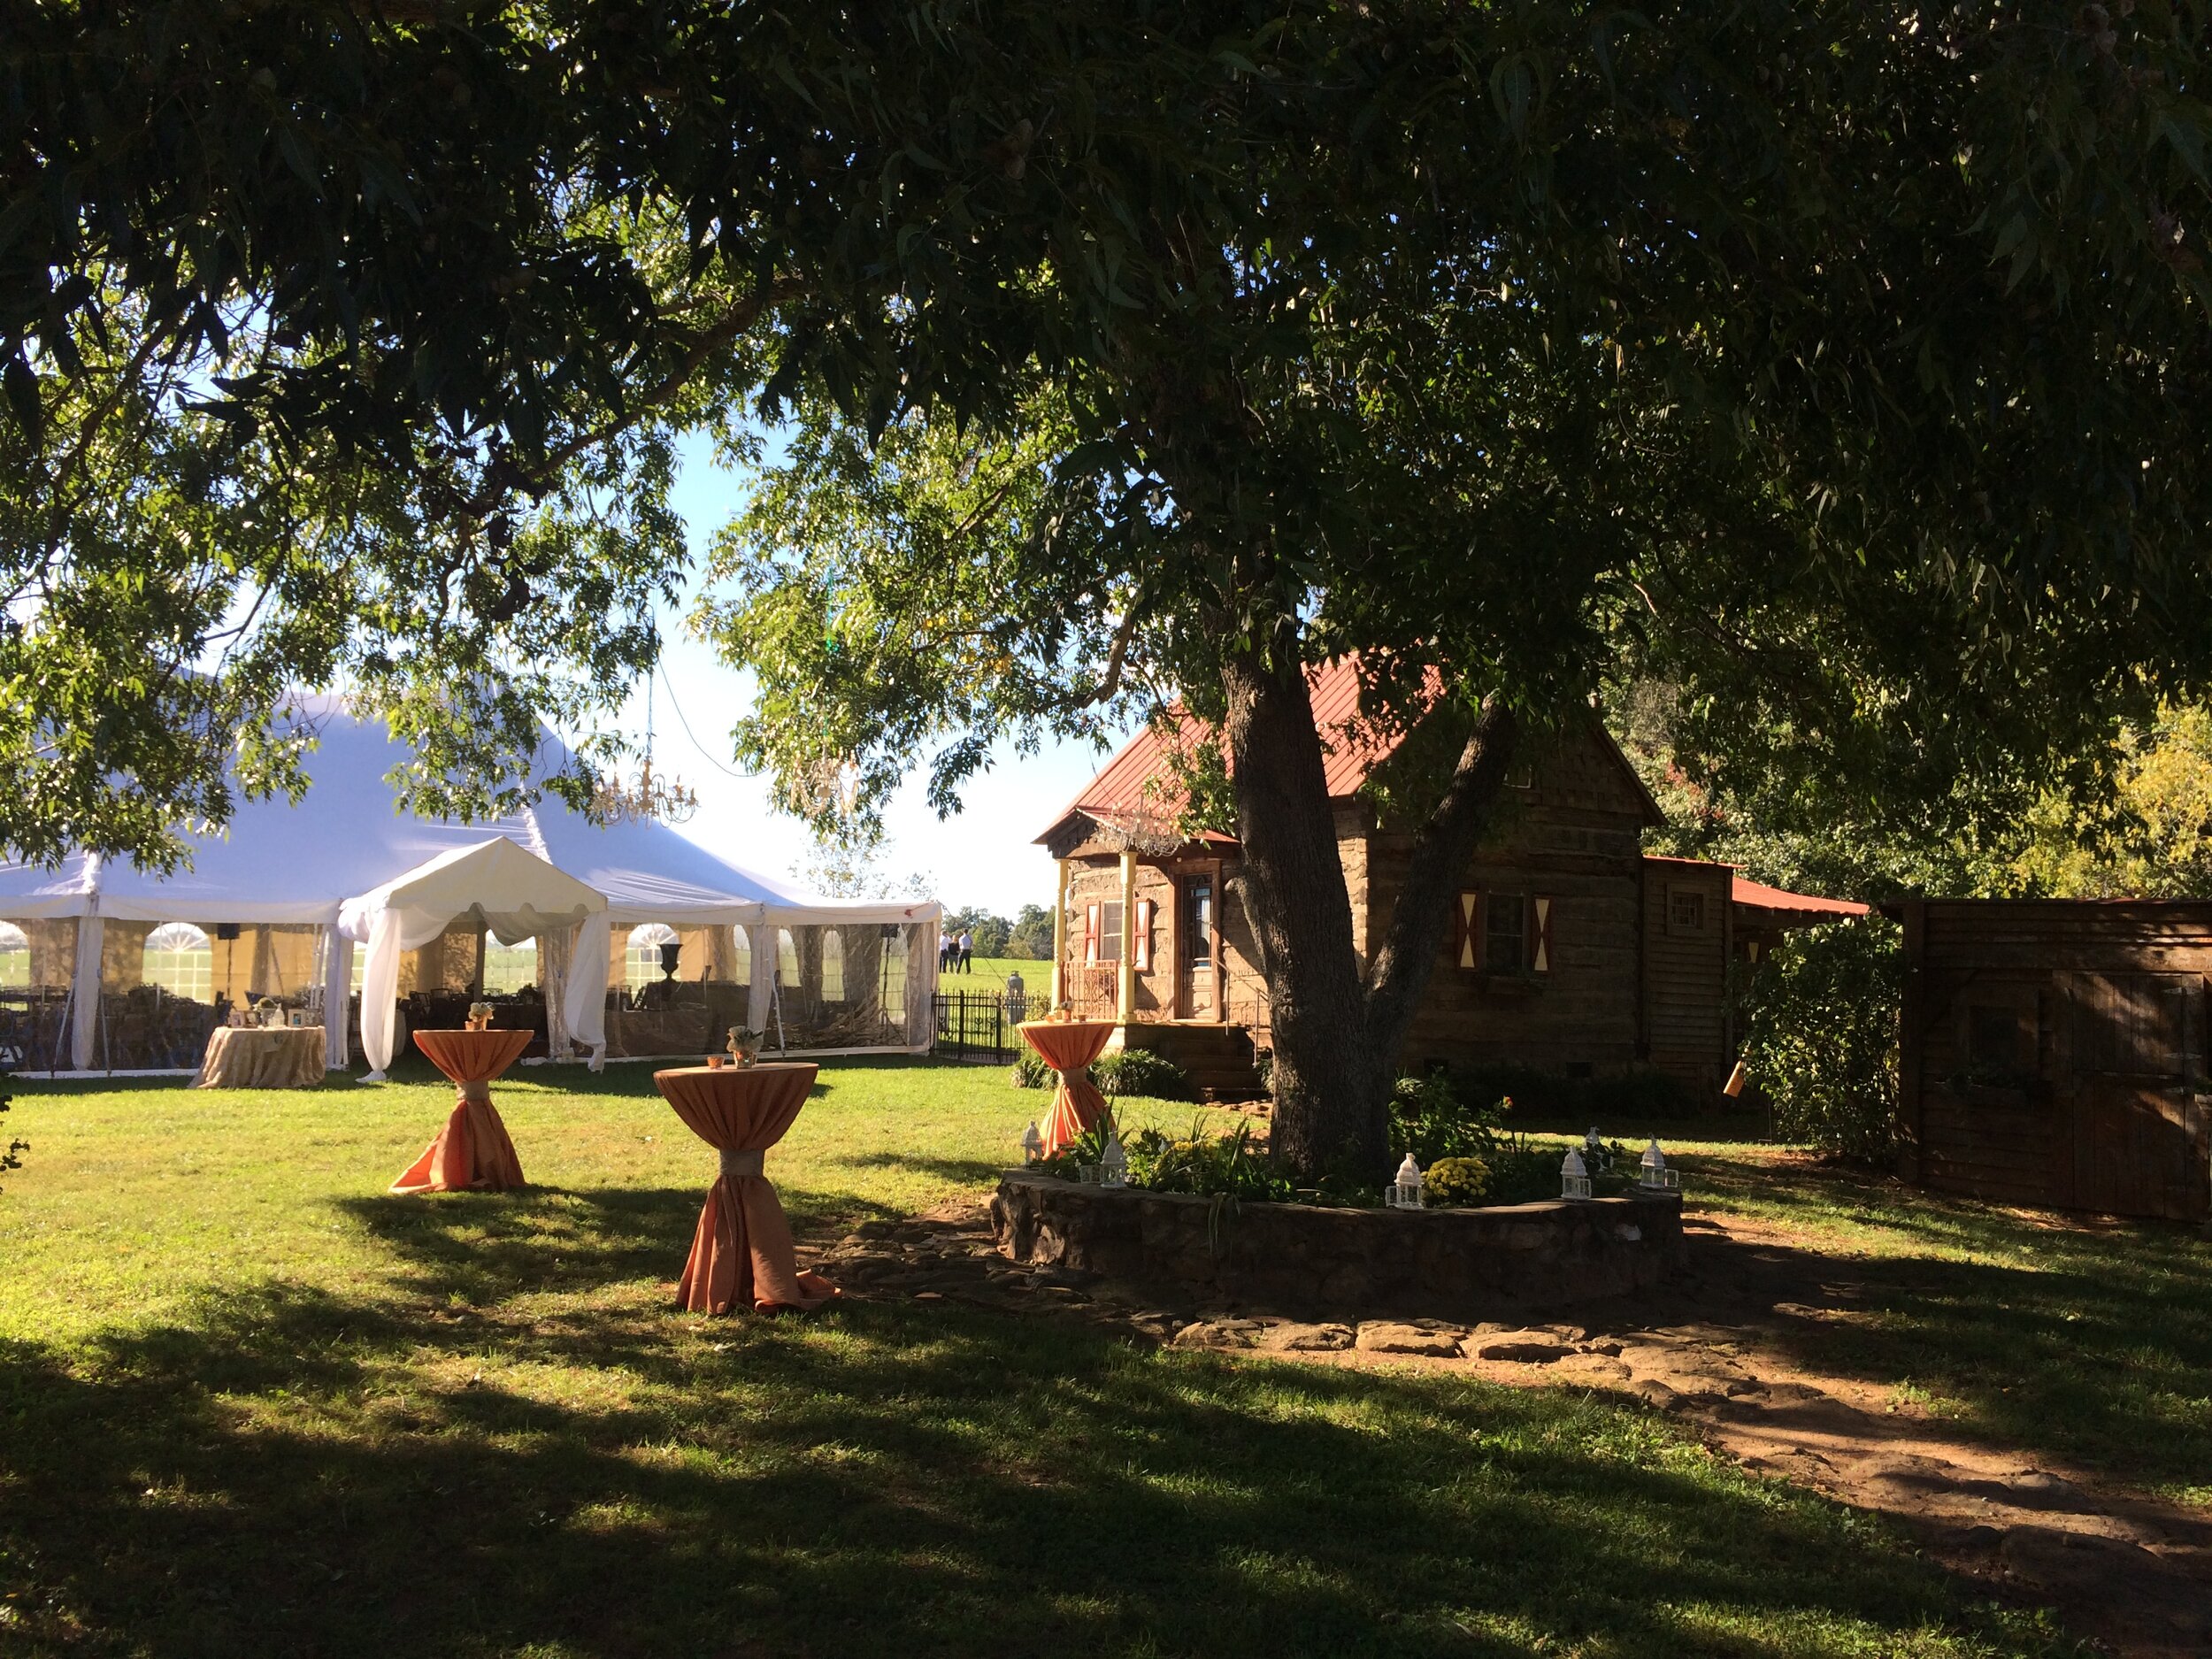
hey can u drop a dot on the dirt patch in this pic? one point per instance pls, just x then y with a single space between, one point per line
2132 1572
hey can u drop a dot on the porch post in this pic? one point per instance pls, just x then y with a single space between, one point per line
1125 986
1059 932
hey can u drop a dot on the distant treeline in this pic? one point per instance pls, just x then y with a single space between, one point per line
1027 937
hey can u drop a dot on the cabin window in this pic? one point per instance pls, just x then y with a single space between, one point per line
1521 776
1109 931
1686 911
1505 932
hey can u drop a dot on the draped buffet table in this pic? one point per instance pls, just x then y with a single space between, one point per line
741 1255
262 1056
473 1152
1068 1046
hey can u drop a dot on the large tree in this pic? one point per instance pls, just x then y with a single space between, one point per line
345 344
1835 361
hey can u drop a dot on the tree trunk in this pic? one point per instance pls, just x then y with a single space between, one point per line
1329 1085
1337 1032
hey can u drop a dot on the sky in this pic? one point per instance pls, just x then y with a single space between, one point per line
982 856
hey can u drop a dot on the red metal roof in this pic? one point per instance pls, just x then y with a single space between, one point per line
1137 788
1758 895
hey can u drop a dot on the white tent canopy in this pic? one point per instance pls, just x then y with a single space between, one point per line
515 894
285 863
311 864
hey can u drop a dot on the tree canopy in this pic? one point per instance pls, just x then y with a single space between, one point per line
1832 363
1835 363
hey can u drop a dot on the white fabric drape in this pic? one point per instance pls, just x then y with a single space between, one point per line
337 991
380 991
84 992
584 998
556 951
761 996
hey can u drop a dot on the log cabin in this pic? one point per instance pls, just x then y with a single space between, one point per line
1568 948
2053 1052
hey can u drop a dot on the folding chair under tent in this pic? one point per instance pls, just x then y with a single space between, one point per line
264 902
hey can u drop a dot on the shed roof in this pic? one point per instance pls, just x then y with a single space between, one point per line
1759 896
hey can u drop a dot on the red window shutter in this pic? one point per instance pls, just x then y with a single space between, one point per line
1091 921
1467 930
1539 935
1140 941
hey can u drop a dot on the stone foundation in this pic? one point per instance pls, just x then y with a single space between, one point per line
1303 1258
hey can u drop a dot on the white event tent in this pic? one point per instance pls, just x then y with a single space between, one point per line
344 867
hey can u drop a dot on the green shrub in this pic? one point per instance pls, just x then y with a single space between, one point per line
1430 1119
1029 1070
1140 1071
1210 1166
1457 1181
1821 1019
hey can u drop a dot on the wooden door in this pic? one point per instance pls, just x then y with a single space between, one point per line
2140 1132
1198 974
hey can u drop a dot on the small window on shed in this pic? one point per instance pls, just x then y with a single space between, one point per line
1992 1042
1109 931
1686 911
1505 932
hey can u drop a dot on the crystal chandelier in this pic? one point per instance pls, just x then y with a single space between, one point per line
614 801
648 797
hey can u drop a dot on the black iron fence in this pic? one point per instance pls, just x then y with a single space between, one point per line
980 1024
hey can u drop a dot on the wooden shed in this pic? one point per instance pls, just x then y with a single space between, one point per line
2053 1052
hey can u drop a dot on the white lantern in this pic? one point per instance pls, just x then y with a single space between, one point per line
1652 1174
1404 1191
1113 1167
1033 1143
1574 1176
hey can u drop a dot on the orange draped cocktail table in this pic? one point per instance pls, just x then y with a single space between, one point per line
471 1153
1068 1046
741 1255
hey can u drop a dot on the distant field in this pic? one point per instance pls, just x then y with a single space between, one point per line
989 973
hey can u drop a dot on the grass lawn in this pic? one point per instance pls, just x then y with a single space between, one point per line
2088 1341
2079 1338
249 1404
989 973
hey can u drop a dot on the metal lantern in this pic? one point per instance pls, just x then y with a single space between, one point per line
1113 1164
1033 1143
1404 1191
1653 1173
1574 1176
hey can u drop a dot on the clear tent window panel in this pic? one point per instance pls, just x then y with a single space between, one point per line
641 960
181 959
509 968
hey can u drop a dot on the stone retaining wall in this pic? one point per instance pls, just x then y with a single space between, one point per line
1296 1258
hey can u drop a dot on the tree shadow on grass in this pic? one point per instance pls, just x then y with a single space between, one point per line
304 1471
979 1172
2090 1342
479 1247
